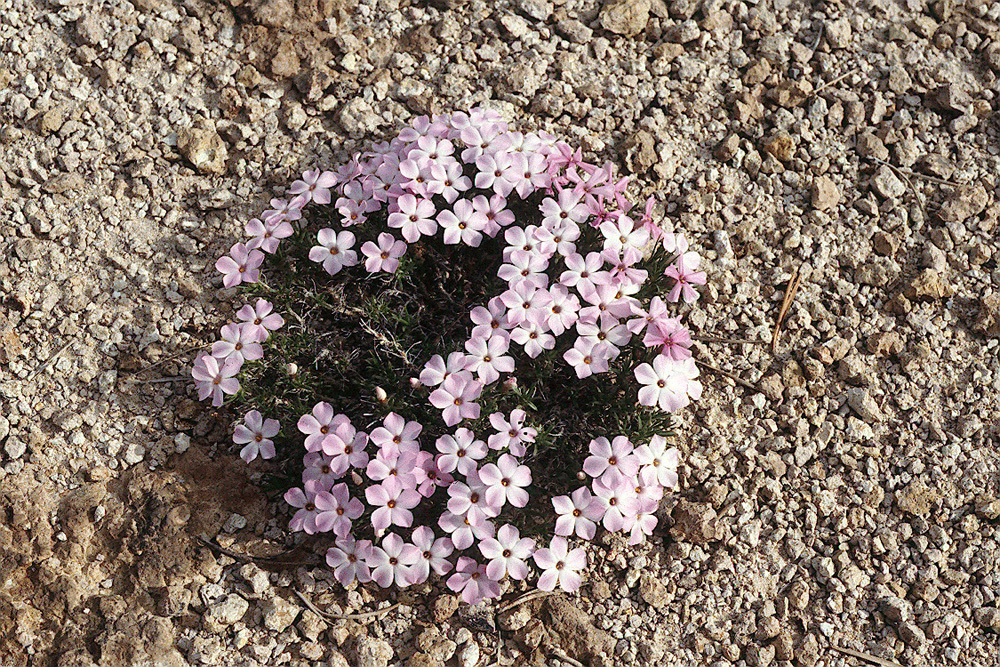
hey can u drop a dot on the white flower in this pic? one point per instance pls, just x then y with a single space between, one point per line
668 383
560 566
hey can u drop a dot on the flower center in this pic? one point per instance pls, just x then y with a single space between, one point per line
427 555
351 558
487 358
559 565
259 437
458 401
324 429
504 482
506 553
348 450
385 254
577 512
613 461
310 507
391 504
393 561
474 498
334 250
325 470
661 384
257 321
340 511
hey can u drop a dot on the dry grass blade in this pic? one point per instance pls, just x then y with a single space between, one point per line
738 380
826 84
565 658
786 303
273 559
909 183
48 362
866 656
527 597
166 359
350 617
731 341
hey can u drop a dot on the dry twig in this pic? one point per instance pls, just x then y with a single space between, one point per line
731 341
527 597
166 359
826 84
786 303
350 617
41 369
273 559
738 380
565 658
866 656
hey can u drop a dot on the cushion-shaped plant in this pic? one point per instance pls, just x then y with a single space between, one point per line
461 324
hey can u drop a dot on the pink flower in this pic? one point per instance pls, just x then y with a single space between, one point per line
463 530
684 279
507 553
437 371
511 434
239 343
286 209
490 320
662 461
348 560
266 235
617 501
391 562
455 398
315 426
255 433
334 250
305 500
462 224
428 476
532 334
587 356
315 185
560 566
469 500
470 579
241 265
497 216
523 298
642 524
568 208
584 273
668 383
214 380
505 481
384 256
394 469
260 316
392 505
611 460
345 447
487 358
563 309
317 467
397 432
337 510
433 554
461 452
413 217
578 513
622 234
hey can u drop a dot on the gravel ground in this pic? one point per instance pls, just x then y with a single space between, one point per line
843 494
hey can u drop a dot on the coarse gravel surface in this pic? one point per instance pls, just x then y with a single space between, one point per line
843 494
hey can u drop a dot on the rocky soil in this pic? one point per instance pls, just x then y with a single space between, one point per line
843 495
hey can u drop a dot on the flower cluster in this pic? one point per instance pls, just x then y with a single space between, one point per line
571 280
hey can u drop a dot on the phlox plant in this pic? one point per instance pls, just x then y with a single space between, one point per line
463 352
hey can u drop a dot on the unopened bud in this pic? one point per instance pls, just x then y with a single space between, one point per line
381 396
355 477
415 383
292 369
510 384
581 476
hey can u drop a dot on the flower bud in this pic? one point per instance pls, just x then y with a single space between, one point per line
582 476
510 384
292 369
381 396
415 383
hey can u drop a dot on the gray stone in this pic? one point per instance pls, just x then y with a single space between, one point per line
203 148
824 193
225 611
887 184
625 17
864 405
682 33
372 652
279 613
838 33
964 203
